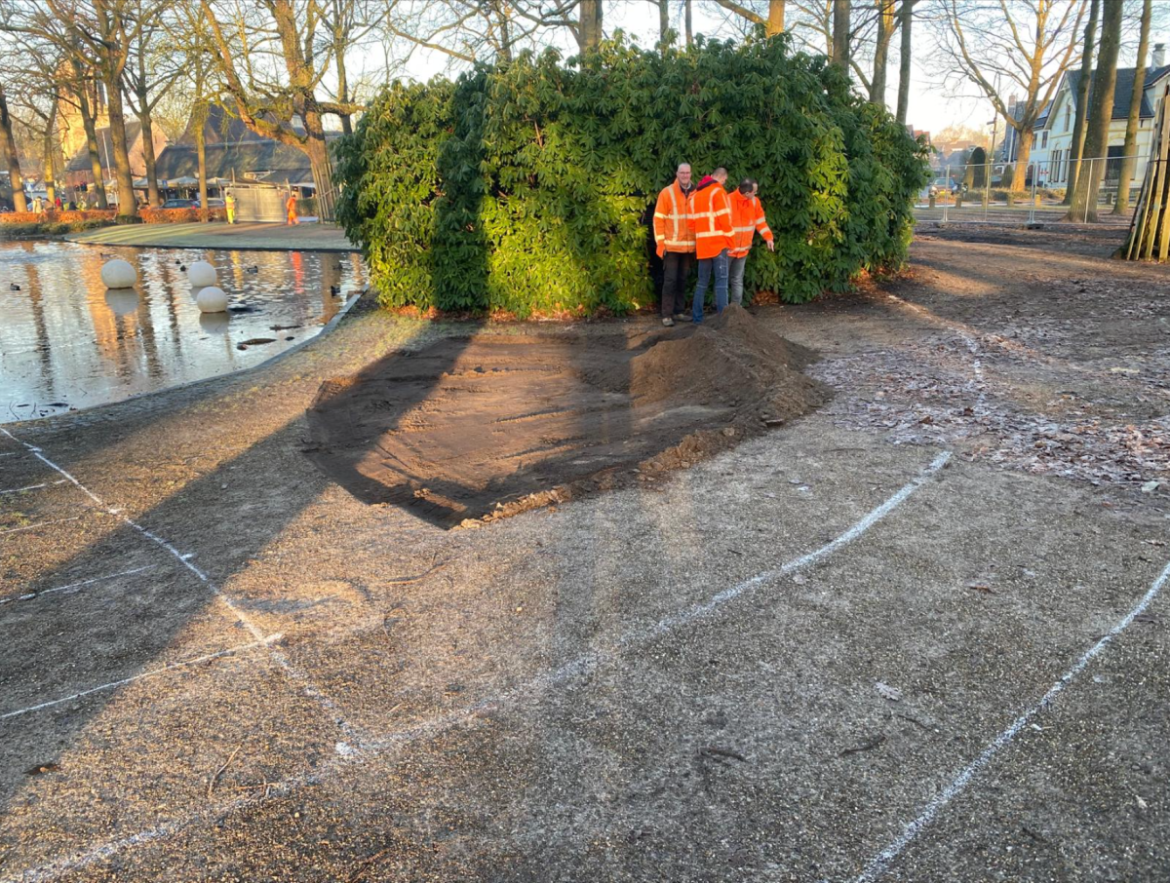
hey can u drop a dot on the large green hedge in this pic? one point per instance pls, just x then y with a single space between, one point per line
525 187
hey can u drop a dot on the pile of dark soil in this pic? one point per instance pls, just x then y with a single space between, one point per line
480 427
729 359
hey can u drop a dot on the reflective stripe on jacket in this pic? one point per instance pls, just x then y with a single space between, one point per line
747 216
671 231
711 220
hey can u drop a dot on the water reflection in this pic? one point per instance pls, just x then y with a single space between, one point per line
66 341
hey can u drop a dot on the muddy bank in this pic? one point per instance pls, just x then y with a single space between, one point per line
482 426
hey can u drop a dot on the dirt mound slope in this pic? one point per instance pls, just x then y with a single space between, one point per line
479 427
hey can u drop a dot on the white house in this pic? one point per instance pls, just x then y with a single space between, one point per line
1052 134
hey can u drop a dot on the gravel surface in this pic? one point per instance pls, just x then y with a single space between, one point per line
763 667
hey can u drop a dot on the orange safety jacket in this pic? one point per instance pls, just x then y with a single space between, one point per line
671 231
711 220
747 216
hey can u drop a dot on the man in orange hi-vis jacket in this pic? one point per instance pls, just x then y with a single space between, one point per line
675 241
711 221
290 206
747 216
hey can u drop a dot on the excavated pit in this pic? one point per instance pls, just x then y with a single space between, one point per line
483 426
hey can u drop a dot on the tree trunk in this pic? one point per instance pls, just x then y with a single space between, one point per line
343 85
907 15
318 151
688 16
877 86
841 34
201 161
146 121
1100 115
91 142
775 23
589 25
505 40
47 148
1023 153
663 21
1076 149
1121 204
11 157
127 204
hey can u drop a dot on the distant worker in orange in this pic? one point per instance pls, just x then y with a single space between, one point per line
711 221
675 241
290 206
747 216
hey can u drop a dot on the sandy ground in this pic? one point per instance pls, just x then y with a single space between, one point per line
476 427
830 653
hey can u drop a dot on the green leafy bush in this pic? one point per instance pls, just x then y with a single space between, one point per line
525 187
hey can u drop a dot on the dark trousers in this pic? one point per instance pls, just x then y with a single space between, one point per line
676 268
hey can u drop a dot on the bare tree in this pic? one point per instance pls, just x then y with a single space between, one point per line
1076 150
885 31
1027 43
348 25
152 72
1121 205
589 25
841 33
11 157
1100 114
266 54
85 90
33 72
906 19
96 36
773 21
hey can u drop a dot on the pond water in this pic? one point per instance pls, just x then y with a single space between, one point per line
66 342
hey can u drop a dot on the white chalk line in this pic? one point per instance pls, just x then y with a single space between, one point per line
306 685
153 673
74 587
881 862
33 487
345 755
39 524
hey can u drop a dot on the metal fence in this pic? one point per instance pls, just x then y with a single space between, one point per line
1000 192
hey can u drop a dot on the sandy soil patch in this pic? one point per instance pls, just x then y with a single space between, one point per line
486 425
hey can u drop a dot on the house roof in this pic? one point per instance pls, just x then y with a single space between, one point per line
232 149
79 162
1123 92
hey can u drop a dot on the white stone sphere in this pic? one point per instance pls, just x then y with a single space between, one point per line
122 301
212 300
119 274
201 274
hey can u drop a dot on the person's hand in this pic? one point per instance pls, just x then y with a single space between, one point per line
771 245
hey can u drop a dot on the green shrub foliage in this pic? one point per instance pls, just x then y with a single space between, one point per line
526 187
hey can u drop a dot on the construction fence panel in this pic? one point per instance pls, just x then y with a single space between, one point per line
261 204
994 193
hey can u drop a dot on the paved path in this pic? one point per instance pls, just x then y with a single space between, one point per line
260 237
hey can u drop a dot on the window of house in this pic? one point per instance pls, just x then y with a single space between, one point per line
1067 117
1044 139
